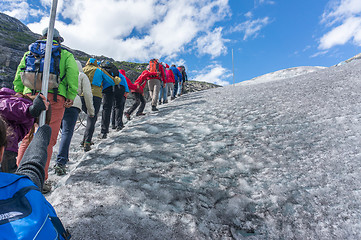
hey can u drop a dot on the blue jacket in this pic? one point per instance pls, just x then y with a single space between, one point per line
99 78
177 74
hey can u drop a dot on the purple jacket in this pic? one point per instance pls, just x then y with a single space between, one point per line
15 111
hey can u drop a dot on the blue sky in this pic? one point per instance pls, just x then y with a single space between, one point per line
265 35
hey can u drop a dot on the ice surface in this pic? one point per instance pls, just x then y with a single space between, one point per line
274 160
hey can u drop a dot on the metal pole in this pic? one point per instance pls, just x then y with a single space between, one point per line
49 44
233 66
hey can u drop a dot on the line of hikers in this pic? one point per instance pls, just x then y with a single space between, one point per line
73 88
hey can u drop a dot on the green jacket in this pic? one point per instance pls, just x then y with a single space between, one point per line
68 86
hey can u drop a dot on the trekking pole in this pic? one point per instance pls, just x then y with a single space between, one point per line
46 70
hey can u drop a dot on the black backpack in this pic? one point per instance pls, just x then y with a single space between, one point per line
110 68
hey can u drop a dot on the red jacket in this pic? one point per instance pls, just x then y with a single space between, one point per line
170 77
141 81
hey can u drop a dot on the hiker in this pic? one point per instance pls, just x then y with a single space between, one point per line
156 68
137 91
24 211
170 82
19 112
60 97
163 93
70 117
177 78
121 93
100 80
109 95
184 80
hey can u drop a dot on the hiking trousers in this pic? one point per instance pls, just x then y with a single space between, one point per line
90 122
163 93
179 92
139 99
108 99
67 129
175 88
57 112
154 88
118 106
170 88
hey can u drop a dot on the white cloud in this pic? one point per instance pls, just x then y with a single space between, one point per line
262 2
212 43
214 73
140 29
19 9
319 54
344 19
351 28
251 28
248 15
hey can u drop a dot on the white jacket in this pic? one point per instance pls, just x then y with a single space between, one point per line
84 88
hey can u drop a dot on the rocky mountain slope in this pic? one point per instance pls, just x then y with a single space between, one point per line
15 38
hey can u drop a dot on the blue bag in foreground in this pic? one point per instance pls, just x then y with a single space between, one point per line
25 213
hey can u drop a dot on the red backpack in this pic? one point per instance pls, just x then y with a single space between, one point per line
154 67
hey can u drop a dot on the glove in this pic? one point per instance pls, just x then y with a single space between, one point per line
37 107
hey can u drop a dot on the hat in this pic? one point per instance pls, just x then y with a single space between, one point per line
56 34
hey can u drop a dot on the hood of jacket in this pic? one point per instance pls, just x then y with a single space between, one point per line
79 66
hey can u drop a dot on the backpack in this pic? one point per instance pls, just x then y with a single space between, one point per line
110 68
34 64
154 67
25 213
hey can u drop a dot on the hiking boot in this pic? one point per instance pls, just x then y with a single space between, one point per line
60 169
140 114
46 187
172 98
87 146
165 101
103 136
127 115
154 108
119 128
160 102
114 127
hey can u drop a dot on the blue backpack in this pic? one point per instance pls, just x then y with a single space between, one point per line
34 64
25 213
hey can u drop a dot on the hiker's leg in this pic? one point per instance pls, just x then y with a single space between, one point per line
135 104
142 105
68 123
175 88
108 98
120 102
90 125
57 113
165 92
156 89
151 84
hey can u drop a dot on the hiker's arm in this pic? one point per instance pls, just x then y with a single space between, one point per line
18 84
106 78
34 159
87 93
